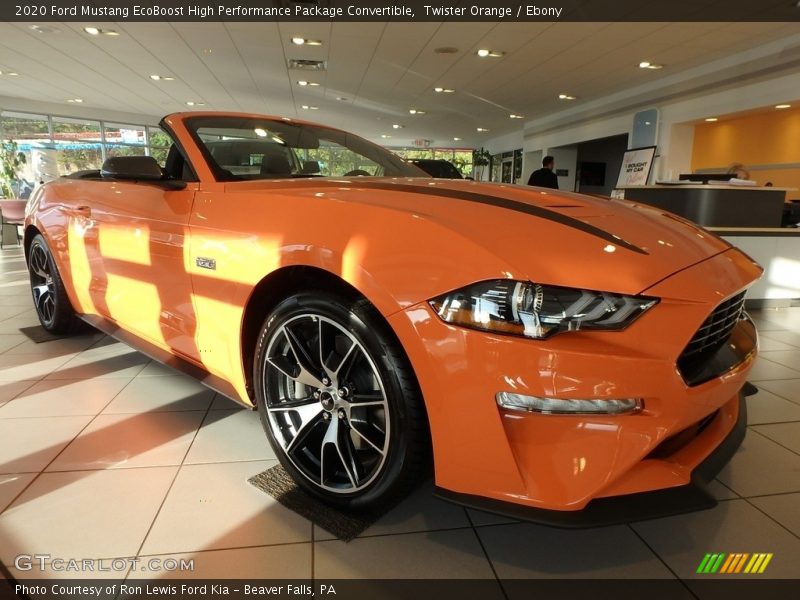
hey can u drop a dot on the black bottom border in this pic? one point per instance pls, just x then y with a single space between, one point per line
713 587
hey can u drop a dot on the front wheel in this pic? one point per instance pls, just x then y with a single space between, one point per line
339 401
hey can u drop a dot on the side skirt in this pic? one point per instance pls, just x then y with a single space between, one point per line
165 358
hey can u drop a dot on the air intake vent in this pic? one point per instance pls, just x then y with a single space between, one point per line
307 65
713 333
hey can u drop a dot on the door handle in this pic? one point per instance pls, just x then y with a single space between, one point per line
78 211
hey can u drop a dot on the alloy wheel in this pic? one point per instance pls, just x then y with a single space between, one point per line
42 284
326 403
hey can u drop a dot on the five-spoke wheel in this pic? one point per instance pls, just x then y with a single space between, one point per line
326 403
338 400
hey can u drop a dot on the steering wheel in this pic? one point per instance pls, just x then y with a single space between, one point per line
357 173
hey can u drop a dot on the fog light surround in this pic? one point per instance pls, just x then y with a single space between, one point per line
569 406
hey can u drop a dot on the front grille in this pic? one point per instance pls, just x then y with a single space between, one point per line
713 333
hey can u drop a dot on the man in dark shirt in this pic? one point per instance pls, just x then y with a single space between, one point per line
545 177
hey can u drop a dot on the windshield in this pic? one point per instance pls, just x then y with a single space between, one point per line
239 148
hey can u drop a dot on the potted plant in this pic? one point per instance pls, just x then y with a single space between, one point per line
11 161
480 159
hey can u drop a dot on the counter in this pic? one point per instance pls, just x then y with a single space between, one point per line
715 205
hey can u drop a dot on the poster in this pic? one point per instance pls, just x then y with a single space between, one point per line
636 165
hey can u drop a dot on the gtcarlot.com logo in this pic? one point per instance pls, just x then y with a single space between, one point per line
727 564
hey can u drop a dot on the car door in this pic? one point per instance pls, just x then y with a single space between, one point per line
137 259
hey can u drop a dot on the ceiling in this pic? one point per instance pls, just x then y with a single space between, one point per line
376 71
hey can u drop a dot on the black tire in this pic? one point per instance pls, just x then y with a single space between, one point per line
52 305
370 483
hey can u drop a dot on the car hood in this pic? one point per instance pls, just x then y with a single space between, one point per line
543 235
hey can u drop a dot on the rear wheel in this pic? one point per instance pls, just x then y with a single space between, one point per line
49 297
339 402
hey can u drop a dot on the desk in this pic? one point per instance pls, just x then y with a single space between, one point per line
716 205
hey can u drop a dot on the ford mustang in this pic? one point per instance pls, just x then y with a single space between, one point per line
567 359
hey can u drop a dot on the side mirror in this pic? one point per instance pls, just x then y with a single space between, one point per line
137 168
311 167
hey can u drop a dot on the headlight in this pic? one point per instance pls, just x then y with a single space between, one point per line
537 311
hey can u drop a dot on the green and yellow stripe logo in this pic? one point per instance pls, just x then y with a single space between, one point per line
741 562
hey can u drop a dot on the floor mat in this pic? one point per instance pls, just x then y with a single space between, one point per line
39 334
276 482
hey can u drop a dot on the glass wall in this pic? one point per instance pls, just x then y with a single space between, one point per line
78 145
460 157
55 145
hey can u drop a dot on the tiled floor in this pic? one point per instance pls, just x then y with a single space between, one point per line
105 454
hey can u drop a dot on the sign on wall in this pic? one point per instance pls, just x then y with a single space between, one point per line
636 165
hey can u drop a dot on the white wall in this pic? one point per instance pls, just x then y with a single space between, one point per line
530 162
566 157
504 143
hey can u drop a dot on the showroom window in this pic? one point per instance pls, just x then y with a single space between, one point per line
159 143
56 145
125 140
31 133
462 159
77 145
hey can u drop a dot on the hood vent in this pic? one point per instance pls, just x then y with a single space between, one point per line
307 65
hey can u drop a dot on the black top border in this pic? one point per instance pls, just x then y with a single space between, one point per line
32 11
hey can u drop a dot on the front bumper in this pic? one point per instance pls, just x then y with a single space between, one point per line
630 507
567 463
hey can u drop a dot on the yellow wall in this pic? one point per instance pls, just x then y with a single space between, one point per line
771 138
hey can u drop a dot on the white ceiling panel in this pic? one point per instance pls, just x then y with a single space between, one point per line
380 69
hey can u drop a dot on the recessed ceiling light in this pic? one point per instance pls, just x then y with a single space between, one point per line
301 41
193 103
481 129
162 77
565 97
414 111
9 73
516 117
483 53
260 132
386 137
98 31
303 82
308 107
75 100
645 64
440 90
778 106
44 29
712 119
397 126
456 139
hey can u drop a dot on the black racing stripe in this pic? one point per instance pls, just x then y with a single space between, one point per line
514 205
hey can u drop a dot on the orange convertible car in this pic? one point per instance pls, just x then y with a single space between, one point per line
565 359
